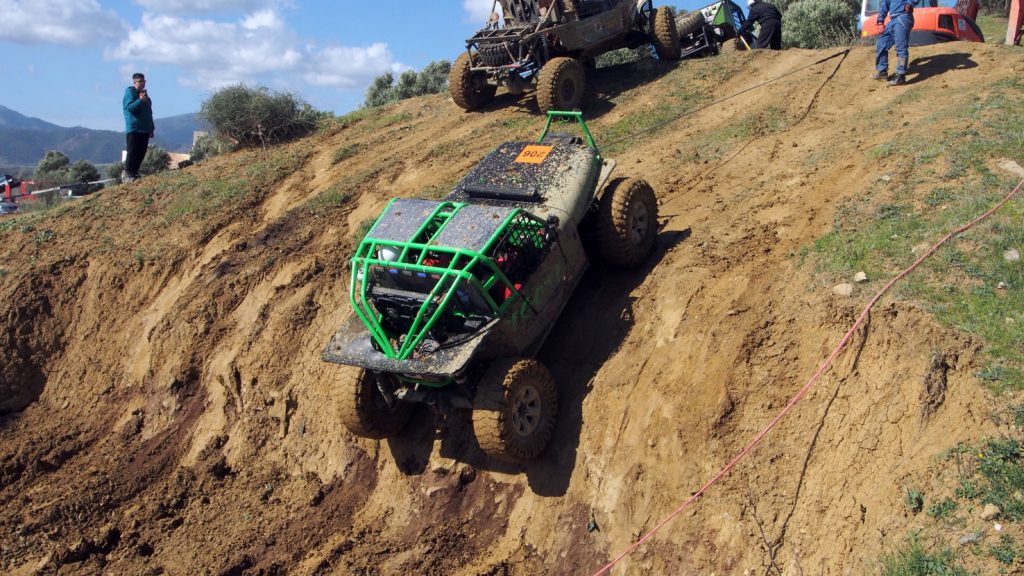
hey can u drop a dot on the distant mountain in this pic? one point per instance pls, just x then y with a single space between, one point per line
24 140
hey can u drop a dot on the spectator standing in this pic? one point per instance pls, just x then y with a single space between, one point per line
138 125
770 20
896 32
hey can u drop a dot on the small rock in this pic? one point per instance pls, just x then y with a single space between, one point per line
920 248
1011 255
971 538
885 178
998 527
1009 321
844 289
990 512
1001 286
860 277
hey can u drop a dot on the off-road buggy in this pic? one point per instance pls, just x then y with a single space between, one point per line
703 31
547 44
452 299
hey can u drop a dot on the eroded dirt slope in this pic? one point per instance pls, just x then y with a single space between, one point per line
168 412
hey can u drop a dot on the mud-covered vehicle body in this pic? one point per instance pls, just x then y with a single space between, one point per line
545 44
453 298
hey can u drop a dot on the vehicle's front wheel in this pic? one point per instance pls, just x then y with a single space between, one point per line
365 412
560 85
515 409
627 222
460 85
666 37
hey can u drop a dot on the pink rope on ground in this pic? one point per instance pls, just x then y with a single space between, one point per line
810 383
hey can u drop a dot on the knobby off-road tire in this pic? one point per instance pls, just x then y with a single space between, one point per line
627 222
689 23
460 86
363 410
560 85
666 37
515 409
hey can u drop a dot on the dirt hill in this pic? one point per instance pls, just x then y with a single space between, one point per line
168 411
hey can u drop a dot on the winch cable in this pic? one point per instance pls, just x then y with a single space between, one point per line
843 54
810 383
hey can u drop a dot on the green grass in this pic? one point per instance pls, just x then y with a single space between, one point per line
335 195
344 152
967 284
1006 551
943 510
914 500
912 559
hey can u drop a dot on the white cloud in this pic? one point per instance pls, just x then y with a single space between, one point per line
203 6
75 22
347 67
479 11
259 48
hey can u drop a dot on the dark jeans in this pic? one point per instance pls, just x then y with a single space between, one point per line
770 36
138 143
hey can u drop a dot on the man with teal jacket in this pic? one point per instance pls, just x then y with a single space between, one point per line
138 125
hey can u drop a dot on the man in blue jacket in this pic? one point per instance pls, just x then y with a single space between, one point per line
138 125
896 32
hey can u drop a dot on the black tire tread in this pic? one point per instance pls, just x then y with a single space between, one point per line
614 211
689 23
460 86
666 37
358 412
492 420
554 72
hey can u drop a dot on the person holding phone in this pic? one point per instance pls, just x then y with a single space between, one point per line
138 125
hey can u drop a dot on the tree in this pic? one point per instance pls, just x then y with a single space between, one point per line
156 160
432 80
53 168
115 170
81 172
255 116
819 24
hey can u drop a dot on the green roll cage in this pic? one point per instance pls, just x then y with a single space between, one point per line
449 269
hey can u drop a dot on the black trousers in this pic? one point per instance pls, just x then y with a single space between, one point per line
770 36
137 144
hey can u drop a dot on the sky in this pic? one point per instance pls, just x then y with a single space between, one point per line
68 61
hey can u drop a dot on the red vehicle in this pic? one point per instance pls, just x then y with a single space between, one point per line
933 23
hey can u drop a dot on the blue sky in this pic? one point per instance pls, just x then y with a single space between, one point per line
68 61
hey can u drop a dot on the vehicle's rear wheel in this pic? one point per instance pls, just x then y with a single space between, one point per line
460 85
666 37
364 411
627 222
561 83
515 409
689 23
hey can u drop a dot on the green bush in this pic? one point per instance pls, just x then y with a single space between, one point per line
255 116
156 160
432 80
819 24
208 146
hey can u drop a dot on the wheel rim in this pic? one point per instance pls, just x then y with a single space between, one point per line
526 411
568 91
638 223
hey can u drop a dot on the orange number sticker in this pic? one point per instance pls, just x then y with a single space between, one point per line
533 154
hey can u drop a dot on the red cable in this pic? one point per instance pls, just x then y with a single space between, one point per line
810 383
